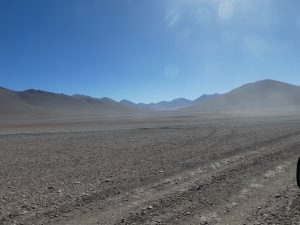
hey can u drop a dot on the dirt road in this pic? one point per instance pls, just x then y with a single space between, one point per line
220 174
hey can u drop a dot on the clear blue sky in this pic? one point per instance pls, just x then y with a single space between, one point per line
147 50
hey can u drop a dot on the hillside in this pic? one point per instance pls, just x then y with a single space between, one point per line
258 95
265 94
174 104
37 102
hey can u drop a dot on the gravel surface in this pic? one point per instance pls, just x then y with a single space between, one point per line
243 173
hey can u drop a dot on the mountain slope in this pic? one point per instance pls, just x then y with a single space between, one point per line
257 95
205 98
168 105
11 103
174 104
38 102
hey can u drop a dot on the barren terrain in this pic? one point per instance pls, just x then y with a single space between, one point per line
159 171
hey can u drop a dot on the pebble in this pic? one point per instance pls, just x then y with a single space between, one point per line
24 212
278 196
85 194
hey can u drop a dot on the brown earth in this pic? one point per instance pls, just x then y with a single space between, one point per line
178 170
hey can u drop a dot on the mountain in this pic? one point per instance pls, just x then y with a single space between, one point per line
205 98
177 103
37 102
167 105
129 103
265 94
11 103
258 95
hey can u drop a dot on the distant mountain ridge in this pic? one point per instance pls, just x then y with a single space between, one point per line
33 101
258 95
174 104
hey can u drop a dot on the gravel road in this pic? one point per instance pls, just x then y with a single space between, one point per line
210 174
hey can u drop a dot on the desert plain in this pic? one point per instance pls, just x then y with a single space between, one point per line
158 169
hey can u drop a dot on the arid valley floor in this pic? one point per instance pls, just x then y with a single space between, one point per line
175 170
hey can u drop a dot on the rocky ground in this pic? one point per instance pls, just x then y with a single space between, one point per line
210 173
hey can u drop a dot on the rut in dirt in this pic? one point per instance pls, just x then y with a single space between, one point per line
194 195
178 207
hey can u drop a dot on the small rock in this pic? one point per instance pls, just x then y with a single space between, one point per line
203 219
150 207
24 212
160 171
278 196
77 182
107 180
188 213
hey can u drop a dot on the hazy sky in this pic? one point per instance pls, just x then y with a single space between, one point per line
147 50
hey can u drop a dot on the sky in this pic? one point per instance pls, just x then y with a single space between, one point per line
147 51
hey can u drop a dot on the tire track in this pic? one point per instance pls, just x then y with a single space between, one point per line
175 198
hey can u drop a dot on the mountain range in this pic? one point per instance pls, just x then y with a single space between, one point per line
41 102
177 103
257 95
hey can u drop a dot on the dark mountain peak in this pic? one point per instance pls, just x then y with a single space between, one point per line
125 101
207 95
89 98
106 99
4 89
79 95
38 92
266 81
181 100
265 86
272 82
85 97
205 98
33 91
176 100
